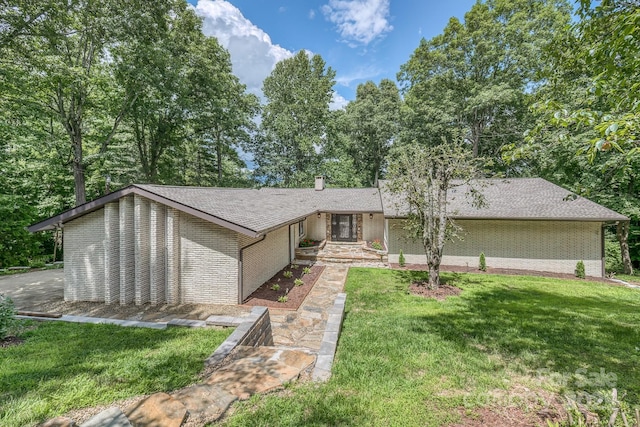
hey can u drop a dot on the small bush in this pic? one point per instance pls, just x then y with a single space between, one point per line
401 259
612 257
580 270
377 245
294 266
288 274
283 299
306 270
298 282
7 313
483 262
275 287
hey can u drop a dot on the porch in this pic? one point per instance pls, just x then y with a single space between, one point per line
341 252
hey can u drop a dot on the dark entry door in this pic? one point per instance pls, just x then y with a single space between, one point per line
343 228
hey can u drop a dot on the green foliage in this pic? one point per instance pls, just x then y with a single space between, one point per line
294 122
580 273
483 262
613 257
306 270
287 274
377 245
294 266
283 298
298 282
401 261
7 313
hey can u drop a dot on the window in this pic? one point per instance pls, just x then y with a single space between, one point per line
301 228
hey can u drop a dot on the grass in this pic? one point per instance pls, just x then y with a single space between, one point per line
405 360
635 278
63 366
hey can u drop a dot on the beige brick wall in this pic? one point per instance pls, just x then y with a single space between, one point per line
372 228
208 262
127 251
84 270
111 253
262 260
172 240
554 246
157 256
317 227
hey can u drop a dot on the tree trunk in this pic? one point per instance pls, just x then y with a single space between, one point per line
622 233
434 276
219 158
78 170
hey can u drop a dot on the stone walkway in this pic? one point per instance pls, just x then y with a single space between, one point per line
305 327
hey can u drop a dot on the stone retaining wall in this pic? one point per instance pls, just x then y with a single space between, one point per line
254 332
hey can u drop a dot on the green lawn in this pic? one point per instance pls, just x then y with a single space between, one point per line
405 360
63 366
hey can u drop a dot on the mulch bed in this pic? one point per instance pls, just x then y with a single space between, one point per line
504 271
266 297
10 341
420 288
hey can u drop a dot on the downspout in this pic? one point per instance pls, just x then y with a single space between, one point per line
240 257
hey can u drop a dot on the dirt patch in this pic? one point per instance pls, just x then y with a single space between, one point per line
272 293
10 342
441 293
507 409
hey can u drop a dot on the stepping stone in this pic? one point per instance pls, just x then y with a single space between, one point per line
205 403
112 417
59 422
159 409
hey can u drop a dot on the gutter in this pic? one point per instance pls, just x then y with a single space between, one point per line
240 257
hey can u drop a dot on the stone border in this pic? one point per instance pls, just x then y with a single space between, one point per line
254 331
324 361
98 321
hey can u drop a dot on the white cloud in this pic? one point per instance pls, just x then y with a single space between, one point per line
338 102
361 21
361 73
312 14
253 55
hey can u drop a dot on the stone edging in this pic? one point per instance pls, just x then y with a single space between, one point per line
324 361
254 331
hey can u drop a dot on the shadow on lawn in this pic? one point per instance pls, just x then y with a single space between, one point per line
63 352
536 330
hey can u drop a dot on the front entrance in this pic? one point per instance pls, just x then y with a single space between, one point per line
344 228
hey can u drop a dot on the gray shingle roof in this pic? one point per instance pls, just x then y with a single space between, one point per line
517 198
268 208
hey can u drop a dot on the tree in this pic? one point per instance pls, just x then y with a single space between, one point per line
421 178
475 78
294 121
374 120
60 68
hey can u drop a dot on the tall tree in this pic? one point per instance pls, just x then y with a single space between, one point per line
374 120
420 178
294 121
475 78
61 68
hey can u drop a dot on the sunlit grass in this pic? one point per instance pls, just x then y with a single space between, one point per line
63 366
405 360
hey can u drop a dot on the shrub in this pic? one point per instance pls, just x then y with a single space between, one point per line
294 266
612 257
7 313
288 274
275 287
298 282
483 262
377 245
283 299
401 259
580 270
306 270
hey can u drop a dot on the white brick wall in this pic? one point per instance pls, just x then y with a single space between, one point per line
554 246
157 258
141 249
84 258
127 259
262 260
372 229
172 240
111 253
208 262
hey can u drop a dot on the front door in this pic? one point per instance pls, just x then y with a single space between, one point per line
343 228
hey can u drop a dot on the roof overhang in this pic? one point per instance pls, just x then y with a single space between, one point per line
485 218
73 213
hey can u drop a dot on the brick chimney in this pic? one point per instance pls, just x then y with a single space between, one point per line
319 183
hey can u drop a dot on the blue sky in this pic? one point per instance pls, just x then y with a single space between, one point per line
360 39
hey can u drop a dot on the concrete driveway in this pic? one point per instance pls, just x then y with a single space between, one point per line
29 290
